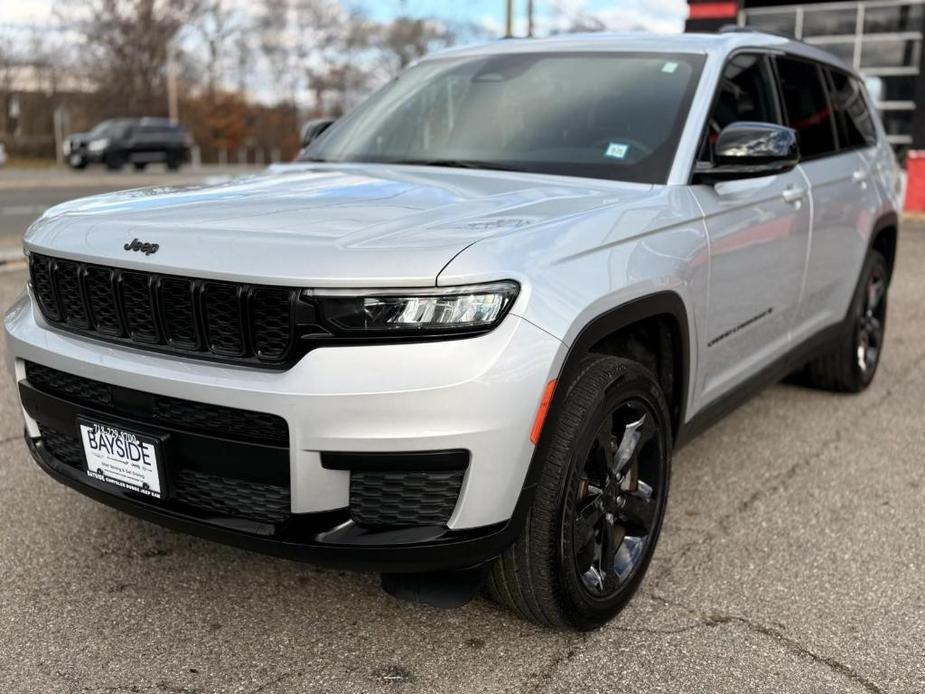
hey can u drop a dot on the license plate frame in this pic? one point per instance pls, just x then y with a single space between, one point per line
136 465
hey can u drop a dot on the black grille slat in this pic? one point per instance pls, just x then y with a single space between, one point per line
222 321
177 300
413 498
68 275
139 309
102 300
223 318
43 285
272 322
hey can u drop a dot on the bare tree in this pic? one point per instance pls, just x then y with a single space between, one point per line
272 29
405 40
218 24
126 47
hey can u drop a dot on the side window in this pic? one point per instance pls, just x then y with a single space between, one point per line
807 106
745 94
855 124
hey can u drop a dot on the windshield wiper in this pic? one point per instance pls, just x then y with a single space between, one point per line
454 164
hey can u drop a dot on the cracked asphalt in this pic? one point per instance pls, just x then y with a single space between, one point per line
792 560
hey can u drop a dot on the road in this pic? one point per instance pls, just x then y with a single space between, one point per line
792 560
24 194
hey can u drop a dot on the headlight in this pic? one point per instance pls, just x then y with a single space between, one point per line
98 145
415 312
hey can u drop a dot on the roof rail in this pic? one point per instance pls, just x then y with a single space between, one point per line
735 29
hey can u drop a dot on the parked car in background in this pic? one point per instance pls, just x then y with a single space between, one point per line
136 141
467 329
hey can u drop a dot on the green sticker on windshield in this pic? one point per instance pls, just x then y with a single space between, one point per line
669 67
616 150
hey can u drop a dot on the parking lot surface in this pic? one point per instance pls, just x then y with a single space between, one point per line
792 560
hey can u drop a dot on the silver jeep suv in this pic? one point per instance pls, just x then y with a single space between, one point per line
464 332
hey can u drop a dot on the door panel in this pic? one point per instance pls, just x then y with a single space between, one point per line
844 201
759 235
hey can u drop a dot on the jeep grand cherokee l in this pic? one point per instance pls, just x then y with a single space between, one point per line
468 328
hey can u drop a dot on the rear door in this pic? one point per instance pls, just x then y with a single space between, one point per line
840 189
759 233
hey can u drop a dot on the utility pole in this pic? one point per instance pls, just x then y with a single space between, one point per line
173 106
509 20
530 18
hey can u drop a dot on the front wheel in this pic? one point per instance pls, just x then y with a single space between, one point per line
598 507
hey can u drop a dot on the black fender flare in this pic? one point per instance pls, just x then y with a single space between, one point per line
664 303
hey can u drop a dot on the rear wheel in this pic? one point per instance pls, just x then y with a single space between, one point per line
140 165
851 367
599 504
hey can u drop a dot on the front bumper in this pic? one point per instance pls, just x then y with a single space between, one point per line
478 395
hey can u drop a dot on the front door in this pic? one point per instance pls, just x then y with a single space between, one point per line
758 231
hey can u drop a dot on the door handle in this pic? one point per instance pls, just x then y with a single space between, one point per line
859 177
793 194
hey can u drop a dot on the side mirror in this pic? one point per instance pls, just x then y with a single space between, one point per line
313 129
750 150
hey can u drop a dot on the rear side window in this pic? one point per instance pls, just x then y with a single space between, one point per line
855 124
807 106
746 93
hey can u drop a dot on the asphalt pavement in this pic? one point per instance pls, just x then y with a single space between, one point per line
792 560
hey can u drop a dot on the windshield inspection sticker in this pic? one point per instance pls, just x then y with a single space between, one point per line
616 150
669 67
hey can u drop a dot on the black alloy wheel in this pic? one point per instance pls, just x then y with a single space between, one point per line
616 500
598 505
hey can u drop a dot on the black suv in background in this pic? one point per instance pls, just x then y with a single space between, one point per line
135 141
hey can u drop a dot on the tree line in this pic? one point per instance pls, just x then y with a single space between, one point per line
245 74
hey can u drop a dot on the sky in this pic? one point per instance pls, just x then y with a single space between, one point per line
652 15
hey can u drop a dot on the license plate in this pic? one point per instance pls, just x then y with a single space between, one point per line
124 458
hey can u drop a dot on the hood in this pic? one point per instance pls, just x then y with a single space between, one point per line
318 225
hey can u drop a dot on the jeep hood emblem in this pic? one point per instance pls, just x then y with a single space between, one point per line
144 247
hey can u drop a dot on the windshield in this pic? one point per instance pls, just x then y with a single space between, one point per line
603 115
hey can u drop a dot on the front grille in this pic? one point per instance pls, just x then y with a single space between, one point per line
232 497
200 318
404 498
216 418
219 461
65 448
57 382
222 496
186 415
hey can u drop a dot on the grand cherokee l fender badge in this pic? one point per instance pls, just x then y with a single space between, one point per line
144 247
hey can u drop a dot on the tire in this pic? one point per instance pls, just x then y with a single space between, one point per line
140 165
114 162
852 365
555 573
173 162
